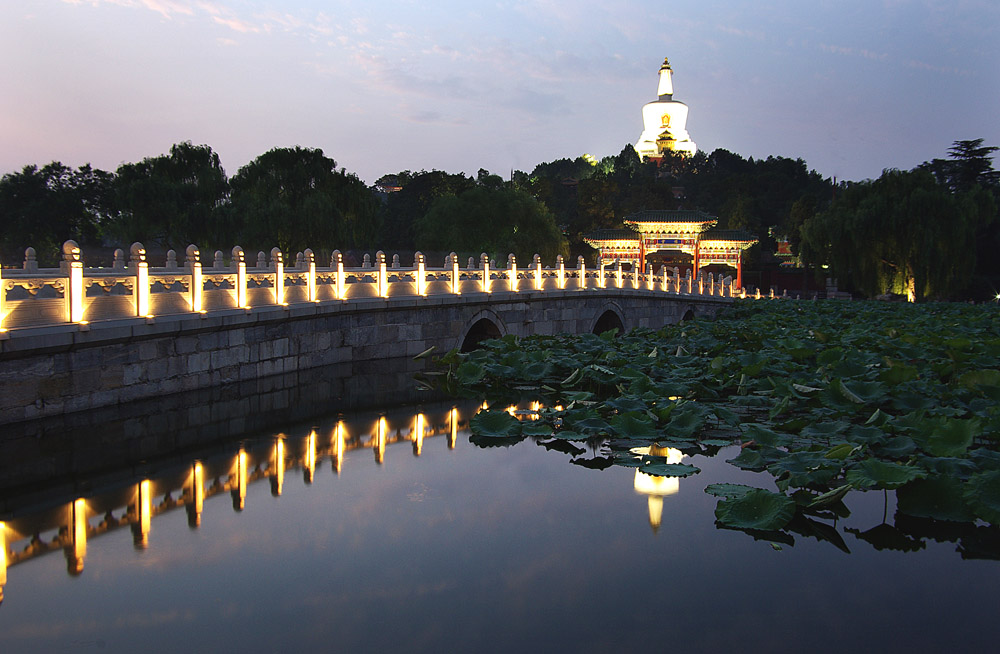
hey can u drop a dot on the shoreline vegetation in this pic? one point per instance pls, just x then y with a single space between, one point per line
928 233
829 398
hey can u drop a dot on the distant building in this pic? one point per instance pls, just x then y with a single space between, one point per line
680 238
664 122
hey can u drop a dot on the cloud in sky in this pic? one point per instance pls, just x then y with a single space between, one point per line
850 87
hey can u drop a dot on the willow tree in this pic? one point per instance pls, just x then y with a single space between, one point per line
498 221
901 233
297 198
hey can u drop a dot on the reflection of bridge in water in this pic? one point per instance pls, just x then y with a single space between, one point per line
70 526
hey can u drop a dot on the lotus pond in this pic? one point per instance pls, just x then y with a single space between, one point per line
791 476
829 398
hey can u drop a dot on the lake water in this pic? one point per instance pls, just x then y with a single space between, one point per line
332 534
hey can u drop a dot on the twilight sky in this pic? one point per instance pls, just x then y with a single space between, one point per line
851 86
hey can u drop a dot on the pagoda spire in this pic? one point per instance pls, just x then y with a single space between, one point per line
666 87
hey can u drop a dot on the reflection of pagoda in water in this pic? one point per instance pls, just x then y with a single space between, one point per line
656 487
70 525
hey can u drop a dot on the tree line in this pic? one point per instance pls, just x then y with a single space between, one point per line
930 231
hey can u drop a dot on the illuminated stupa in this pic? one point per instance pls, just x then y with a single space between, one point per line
664 122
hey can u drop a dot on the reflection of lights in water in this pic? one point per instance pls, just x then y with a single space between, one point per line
338 446
278 469
309 464
656 487
3 558
453 433
144 510
77 552
197 494
418 434
380 440
240 492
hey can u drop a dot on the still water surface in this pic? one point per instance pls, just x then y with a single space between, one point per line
458 549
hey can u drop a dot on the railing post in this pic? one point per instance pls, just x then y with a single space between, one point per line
602 280
240 265
193 265
561 272
581 267
381 277
140 269
618 273
418 263
455 277
536 263
512 273
650 278
484 260
278 266
310 261
337 263
72 267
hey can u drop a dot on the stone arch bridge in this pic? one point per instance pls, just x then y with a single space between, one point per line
75 339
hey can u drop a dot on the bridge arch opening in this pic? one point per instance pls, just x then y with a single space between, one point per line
481 330
688 315
607 321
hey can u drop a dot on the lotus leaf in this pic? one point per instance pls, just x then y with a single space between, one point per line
669 469
495 424
947 436
873 473
940 498
756 509
536 428
728 491
983 495
633 425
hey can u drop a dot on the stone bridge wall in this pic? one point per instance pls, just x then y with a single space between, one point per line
60 369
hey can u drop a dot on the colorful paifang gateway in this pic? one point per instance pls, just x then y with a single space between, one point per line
672 237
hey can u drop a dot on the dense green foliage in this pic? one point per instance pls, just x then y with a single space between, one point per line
902 233
296 198
827 398
171 200
933 231
498 221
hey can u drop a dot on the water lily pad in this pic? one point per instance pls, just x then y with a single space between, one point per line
756 509
947 436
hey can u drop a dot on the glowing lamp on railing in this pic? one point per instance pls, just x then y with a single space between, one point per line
420 272
512 273
278 266
337 263
72 266
383 278
455 278
193 264
239 264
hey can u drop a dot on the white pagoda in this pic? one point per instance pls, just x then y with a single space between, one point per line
664 122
